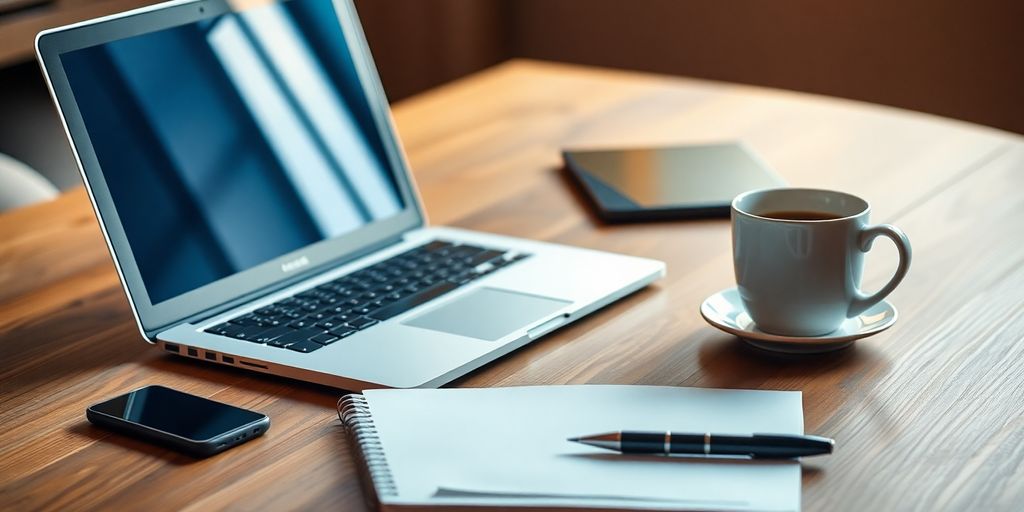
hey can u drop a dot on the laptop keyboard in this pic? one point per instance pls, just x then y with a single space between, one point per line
317 317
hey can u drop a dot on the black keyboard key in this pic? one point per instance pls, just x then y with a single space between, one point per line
435 245
294 337
324 339
360 286
360 322
271 322
350 280
341 319
244 332
326 307
443 252
302 323
328 324
305 346
272 333
218 329
402 305
342 332
462 278
466 251
321 315
366 309
482 257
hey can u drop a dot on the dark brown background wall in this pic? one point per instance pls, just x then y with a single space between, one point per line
418 44
960 59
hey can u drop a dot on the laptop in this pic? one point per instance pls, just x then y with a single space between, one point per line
252 190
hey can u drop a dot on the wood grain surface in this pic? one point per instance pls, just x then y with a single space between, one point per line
926 416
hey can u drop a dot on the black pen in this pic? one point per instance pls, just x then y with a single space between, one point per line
757 446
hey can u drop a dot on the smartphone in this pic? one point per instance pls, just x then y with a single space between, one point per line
188 423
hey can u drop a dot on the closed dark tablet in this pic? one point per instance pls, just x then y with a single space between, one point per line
667 182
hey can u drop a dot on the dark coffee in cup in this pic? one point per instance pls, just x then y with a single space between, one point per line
798 255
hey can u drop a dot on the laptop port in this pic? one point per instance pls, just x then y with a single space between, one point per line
193 352
172 348
228 359
250 363
210 356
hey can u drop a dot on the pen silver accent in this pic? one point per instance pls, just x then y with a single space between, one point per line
668 441
707 443
610 441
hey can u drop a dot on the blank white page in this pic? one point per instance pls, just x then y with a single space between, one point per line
508 447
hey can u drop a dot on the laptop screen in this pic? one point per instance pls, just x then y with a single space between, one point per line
233 140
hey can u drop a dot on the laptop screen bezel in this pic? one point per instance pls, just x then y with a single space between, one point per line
245 285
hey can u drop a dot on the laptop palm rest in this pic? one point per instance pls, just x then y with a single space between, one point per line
487 313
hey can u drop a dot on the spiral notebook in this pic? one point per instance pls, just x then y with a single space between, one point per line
506 447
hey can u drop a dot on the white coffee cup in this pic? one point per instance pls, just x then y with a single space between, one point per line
799 274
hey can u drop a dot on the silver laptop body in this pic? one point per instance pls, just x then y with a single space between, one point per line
252 190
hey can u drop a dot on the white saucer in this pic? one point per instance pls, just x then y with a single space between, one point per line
724 310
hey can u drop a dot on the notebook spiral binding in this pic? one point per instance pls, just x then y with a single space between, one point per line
354 413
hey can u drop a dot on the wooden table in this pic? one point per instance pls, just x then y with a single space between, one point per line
927 415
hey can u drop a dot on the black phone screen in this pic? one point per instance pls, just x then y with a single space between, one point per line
177 413
637 184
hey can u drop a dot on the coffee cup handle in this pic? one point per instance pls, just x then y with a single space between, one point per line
862 302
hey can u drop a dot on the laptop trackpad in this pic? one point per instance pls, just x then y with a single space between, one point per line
487 313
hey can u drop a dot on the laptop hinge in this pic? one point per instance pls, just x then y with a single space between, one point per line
256 294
